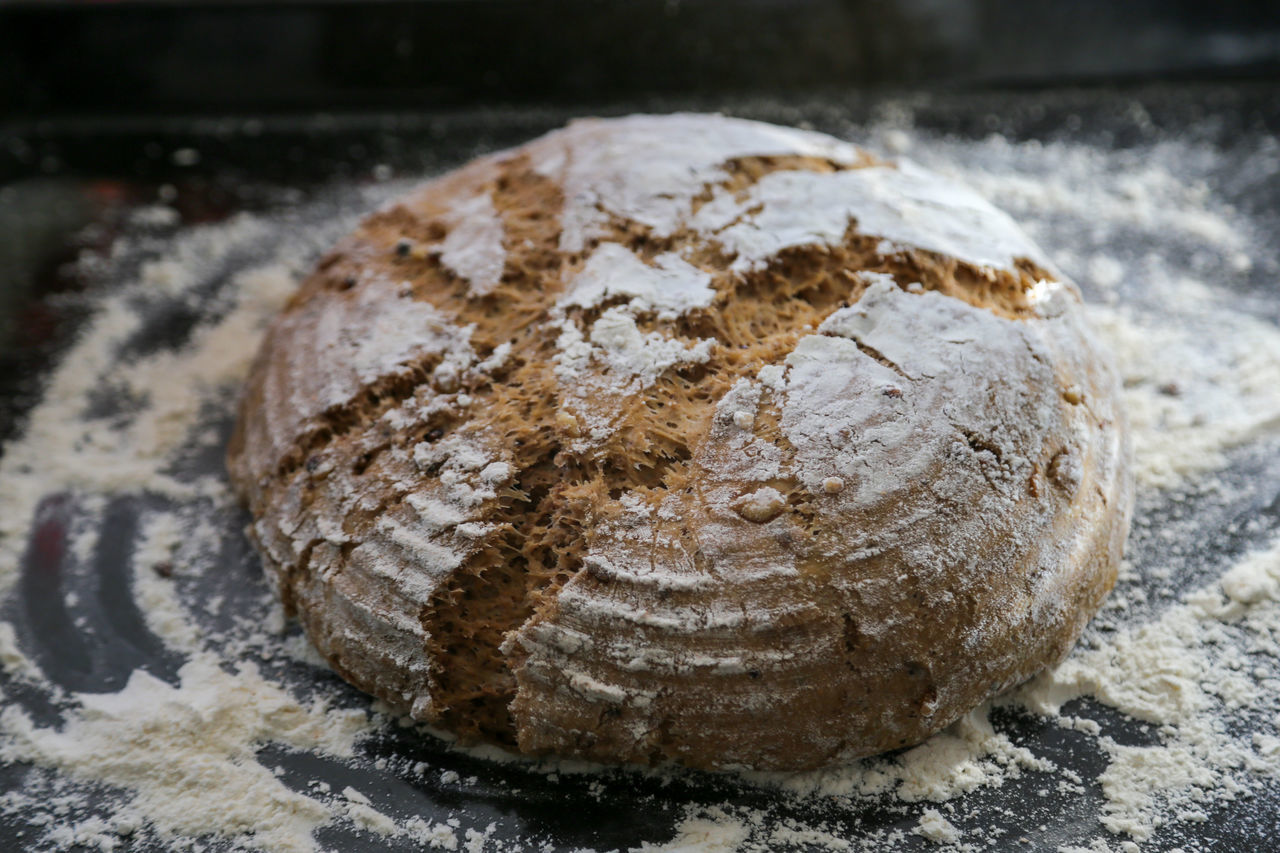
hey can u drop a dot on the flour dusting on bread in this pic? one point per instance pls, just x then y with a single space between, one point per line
708 418
1200 382
473 248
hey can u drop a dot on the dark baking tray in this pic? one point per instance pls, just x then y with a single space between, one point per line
69 176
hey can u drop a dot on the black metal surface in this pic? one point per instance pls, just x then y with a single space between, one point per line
94 172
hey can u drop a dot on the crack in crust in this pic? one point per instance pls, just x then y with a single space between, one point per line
543 519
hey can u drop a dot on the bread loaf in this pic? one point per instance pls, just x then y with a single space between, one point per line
686 438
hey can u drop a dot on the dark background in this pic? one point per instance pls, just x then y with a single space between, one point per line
65 59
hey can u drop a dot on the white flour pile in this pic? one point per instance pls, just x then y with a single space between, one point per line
1181 671
180 748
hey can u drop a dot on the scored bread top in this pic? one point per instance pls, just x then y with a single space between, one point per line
686 438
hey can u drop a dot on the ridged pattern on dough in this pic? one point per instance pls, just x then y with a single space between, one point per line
949 566
707 474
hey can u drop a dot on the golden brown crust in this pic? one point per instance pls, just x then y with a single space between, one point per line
645 496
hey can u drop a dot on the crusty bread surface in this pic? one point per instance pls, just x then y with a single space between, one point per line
686 438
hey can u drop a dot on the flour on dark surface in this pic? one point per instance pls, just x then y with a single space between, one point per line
1162 720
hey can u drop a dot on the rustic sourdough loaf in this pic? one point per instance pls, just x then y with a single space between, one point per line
686 438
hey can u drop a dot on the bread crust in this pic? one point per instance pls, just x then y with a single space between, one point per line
685 438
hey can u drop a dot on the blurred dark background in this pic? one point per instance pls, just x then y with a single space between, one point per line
75 59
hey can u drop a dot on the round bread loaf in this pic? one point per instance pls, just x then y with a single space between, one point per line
686 438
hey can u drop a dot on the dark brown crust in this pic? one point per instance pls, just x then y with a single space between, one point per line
327 475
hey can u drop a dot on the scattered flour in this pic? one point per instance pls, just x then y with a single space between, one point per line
179 749
16 664
156 551
1199 677
936 828
716 831
1191 397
